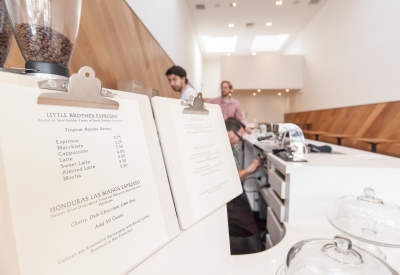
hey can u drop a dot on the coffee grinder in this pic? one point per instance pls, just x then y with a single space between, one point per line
46 32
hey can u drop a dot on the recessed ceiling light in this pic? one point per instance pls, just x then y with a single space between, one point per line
220 44
279 94
200 6
287 90
254 53
267 43
228 54
258 90
254 94
232 5
269 24
231 25
278 3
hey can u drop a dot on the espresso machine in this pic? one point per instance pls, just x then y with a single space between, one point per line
289 140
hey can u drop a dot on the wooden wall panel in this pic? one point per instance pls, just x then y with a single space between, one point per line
368 121
114 42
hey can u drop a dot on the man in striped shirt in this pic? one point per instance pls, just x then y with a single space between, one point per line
230 107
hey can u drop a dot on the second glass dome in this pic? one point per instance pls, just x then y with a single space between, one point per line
368 219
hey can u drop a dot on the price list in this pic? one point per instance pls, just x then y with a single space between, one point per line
119 146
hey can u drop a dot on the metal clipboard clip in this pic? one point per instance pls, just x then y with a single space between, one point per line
196 105
84 90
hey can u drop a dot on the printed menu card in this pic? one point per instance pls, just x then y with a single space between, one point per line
79 190
198 157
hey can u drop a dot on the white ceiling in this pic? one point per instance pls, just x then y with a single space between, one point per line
289 18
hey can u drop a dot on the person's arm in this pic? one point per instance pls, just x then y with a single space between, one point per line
250 169
211 100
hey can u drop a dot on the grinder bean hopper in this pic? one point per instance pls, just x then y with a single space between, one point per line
5 33
46 32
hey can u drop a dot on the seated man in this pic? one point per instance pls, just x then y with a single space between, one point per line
235 130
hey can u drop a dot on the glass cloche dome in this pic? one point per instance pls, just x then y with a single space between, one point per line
332 257
367 218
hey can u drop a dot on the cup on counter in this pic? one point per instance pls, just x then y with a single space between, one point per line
263 129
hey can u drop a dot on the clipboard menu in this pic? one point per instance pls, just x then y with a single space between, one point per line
82 190
198 157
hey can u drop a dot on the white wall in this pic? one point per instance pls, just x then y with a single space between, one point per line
171 26
351 54
264 108
269 71
211 78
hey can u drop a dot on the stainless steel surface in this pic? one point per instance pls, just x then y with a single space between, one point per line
196 105
84 90
54 84
290 136
16 70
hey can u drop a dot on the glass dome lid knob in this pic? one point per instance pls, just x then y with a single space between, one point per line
342 251
369 196
343 244
369 192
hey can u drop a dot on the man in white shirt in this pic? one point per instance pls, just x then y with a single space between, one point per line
179 82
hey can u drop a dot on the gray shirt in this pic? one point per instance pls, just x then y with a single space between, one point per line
187 92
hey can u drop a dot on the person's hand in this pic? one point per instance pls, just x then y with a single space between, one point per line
253 166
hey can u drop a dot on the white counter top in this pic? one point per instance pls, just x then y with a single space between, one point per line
312 188
334 161
342 157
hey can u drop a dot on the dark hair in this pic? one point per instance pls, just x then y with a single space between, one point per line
226 81
233 124
179 71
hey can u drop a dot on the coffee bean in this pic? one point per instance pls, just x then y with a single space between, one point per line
42 43
5 33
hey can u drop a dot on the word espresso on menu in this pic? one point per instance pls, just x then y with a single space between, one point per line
79 117
68 153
